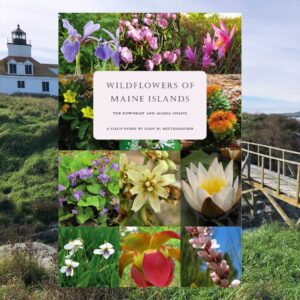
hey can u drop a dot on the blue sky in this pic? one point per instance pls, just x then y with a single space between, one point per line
271 47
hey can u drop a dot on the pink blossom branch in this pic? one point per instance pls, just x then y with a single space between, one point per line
217 266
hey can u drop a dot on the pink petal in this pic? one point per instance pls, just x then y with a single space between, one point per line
157 268
138 277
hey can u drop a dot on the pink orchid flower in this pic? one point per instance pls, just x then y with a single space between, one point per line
223 38
191 54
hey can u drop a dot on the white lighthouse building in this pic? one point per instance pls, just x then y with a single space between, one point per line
20 73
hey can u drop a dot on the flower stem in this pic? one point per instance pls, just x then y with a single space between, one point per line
77 68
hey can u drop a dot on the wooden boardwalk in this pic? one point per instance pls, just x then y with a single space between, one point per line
273 171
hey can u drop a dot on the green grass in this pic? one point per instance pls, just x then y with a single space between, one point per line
28 142
93 270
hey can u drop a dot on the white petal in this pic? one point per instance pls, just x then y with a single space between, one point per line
111 251
193 179
69 246
139 201
106 255
225 203
201 195
75 264
98 251
229 173
189 195
214 164
193 168
106 245
63 269
68 262
154 202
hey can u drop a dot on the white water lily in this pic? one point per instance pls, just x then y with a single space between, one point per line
73 247
69 267
150 186
107 249
212 192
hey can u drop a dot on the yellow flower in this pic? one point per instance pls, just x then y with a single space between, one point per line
150 186
70 96
88 112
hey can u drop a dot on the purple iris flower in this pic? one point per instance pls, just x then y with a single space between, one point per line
102 193
61 201
74 211
104 51
72 43
61 188
85 173
104 178
77 194
103 212
115 166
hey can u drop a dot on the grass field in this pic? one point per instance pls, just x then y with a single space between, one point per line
28 138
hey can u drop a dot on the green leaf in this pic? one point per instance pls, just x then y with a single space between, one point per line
75 124
82 130
115 279
76 164
114 188
94 189
65 217
68 117
96 201
62 178
84 279
84 214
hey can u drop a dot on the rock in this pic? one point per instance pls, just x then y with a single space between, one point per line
44 255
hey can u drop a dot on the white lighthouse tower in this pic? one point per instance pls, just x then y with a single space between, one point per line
20 73
18 45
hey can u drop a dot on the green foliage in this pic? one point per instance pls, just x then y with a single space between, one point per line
272 130
94 270
218 101
91 202
89 62
28 165
75 129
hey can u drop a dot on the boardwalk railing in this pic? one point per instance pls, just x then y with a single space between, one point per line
273 164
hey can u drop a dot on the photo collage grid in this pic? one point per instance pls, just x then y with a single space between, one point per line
140 213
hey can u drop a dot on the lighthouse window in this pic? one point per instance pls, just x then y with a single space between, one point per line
28 69
12 68
21 84
45 86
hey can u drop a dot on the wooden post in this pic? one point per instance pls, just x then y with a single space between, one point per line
270 159
262 171
249 166
278 177
258 164
298 184
283 164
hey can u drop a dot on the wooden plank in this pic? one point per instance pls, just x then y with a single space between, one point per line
279 210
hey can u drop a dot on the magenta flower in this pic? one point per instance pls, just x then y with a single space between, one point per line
223 38
126 55
170 57
208 48
191 55
149 65
178 52
153 43
156 59
163 23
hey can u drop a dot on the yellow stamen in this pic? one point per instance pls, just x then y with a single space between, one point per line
212 185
